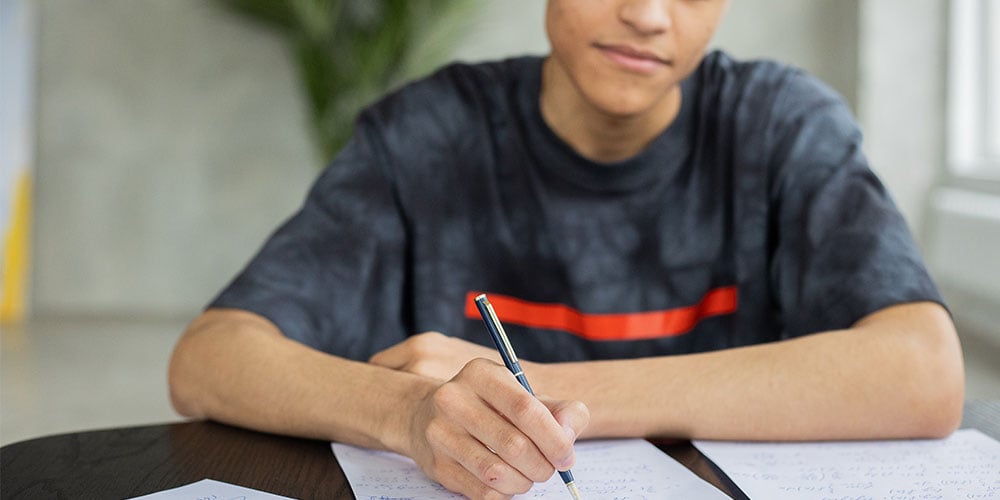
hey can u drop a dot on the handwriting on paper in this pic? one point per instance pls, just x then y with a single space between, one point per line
626 469
965 465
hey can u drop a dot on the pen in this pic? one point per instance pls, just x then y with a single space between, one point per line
510 359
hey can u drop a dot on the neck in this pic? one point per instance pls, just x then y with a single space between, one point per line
593 133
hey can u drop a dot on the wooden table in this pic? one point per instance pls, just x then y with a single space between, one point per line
128 462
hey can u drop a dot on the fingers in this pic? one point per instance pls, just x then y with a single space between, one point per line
527 414
431 354
573 416
456 478
486 467
493 435
401 355
483 435
394 357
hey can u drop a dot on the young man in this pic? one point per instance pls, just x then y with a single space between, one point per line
683 245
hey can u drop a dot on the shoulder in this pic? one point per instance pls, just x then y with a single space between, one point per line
780 120
451 96
761 82
435 126
780 109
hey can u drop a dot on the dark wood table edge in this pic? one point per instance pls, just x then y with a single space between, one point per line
143 459
141 482
67 459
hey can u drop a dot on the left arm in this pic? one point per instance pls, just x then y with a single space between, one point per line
896 373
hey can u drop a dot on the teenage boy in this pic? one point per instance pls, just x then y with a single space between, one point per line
682 244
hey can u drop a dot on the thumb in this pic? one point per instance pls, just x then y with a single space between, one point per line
573 416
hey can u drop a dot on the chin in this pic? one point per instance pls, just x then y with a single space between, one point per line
626 98
624 106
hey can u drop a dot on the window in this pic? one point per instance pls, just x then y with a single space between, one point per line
964 221
974 90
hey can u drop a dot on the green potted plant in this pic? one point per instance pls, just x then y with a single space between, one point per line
351 51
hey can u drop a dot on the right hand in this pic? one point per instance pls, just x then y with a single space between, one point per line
482 435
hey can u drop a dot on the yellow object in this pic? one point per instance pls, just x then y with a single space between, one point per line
16 241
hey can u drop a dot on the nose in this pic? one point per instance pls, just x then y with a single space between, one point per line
648 17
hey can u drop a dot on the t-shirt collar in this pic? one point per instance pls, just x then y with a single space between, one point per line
663 156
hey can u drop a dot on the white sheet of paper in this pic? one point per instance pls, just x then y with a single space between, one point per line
210 489
965 465
613 468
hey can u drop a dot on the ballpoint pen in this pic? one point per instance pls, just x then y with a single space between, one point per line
510 359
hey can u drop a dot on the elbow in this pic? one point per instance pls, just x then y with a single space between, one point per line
203 370
928 406
941 413
182 381
926 387
180 399
940 389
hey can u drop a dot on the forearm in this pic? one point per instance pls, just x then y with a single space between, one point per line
478 433
236 367
884 379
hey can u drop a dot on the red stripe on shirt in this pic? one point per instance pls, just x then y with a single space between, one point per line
623 326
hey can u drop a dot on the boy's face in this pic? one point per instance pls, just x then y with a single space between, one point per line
624 56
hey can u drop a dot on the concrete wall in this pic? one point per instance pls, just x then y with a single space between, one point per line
172 139
820 36
901 87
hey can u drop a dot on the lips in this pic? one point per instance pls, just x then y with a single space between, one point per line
633 58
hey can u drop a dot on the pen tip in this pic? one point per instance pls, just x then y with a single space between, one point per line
573 491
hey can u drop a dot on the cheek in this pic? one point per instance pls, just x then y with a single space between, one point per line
561 26
696 42
572 24
555 19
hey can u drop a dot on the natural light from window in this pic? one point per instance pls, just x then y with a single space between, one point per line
974 89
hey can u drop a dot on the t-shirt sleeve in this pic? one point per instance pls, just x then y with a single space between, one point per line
331 276
843 250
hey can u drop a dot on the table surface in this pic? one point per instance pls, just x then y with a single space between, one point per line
128 462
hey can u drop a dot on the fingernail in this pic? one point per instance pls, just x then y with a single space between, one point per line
566 463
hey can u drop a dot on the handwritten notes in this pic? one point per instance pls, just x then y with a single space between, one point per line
630 469
210 489
965 465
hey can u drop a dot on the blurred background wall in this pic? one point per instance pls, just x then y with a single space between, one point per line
172 138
